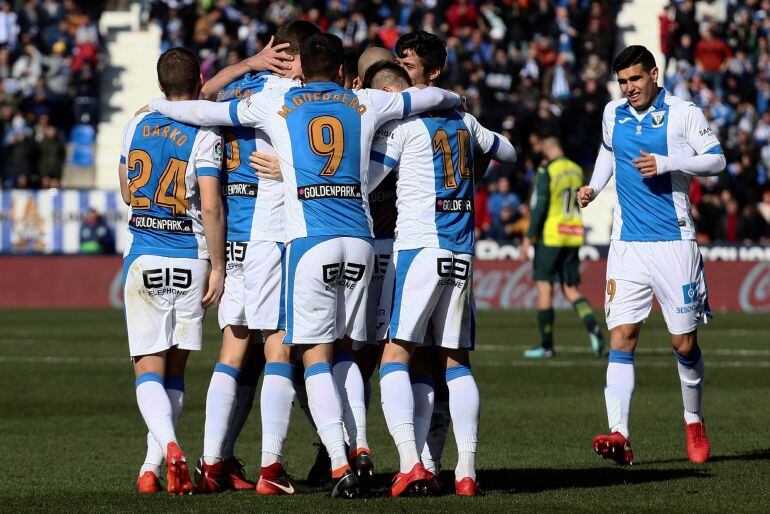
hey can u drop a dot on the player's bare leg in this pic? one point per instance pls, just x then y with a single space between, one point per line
326 409
464 406
155 406
545 317
586 314
220 404
275 405
398 408
617 394
350 386
690 365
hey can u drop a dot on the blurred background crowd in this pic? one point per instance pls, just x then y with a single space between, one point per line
49 69
531 68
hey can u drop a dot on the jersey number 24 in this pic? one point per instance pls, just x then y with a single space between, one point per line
173 177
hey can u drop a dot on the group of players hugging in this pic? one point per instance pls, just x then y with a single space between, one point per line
326 206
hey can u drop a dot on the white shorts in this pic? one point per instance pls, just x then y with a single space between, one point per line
379 295
433 285
232 306
672 271
263 271
162 297
326 284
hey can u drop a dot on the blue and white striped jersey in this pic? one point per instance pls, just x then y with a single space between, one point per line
164 159
655 208
434 153
255 208
323 135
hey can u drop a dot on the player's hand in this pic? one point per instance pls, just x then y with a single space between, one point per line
146 108
266 165
585 196
524 249
647 165
215 289
271 58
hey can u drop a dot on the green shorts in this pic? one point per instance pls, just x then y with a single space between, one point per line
557 264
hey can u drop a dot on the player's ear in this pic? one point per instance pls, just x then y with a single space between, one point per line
341 75
434 74
655 72
200 85
161 88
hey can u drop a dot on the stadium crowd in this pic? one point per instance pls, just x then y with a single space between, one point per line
717 56
49 57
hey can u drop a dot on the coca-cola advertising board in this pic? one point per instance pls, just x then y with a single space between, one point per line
85 282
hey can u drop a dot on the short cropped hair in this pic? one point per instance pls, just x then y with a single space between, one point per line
295 33
430 48
322 55
179 72
383 73
634 54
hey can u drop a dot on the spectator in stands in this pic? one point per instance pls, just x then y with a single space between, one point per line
96 237
501 199
49 56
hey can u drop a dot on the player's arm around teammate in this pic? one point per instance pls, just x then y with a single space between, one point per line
654 143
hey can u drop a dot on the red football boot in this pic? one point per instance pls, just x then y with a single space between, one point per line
414 483
468 487
148 483
273 480
235 475
698 445
615 447
434 486
210 478
177 476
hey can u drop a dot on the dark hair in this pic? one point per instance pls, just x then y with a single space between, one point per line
295 33
386 72
634 54
350 65
430 48
321 56
179 72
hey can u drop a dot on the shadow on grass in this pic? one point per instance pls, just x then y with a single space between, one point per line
745 456
540 480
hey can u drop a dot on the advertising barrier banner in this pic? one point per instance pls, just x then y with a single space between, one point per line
83 282
48 221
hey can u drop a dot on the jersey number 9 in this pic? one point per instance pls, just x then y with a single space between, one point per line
464 157
327 139
172 177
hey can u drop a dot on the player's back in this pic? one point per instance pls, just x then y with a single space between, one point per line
254 207
163 159
564 223
323 133
435 185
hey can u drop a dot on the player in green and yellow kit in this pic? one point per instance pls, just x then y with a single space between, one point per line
556 229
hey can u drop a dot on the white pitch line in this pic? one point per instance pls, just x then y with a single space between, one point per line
730 352
556 363
552 363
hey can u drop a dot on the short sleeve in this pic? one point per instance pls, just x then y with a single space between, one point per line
484 138
608 125
698 133
208 156
388 143
252 111
386 106
125 140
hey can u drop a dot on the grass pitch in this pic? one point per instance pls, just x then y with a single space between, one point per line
73 439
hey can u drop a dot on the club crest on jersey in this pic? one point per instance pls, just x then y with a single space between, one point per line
657 118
